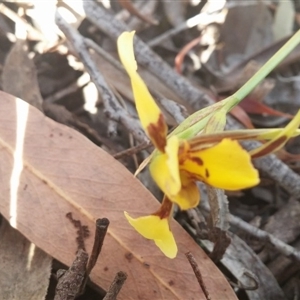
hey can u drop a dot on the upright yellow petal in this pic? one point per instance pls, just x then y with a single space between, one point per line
164 169
154 228
226 165
171 149
149 113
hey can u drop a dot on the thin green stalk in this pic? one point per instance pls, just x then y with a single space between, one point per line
259 76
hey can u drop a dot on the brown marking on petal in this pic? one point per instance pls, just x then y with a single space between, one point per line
183 152
195 177
206 173
270 147
165 209
196 160
157 132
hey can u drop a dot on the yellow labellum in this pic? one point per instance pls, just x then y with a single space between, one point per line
162 175
155 228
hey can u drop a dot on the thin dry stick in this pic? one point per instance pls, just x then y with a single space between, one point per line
115 286
198 275
113 109
132 150
188 24
195 96
101 229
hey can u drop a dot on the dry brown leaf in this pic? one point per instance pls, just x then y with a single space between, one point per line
24 268
19 76
64 172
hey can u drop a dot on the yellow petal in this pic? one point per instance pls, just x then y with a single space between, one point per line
226 165
164 169
157 229
149 113
189 195
171 149
278 141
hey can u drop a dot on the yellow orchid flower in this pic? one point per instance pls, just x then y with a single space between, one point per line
214 158
177 166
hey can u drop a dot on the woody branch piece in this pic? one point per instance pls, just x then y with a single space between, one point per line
70 281
101 229
100 233
115 286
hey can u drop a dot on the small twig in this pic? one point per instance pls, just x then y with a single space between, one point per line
198 275
101 229
190 23
70 281
133 150
115 286
184 51
127 4
91 44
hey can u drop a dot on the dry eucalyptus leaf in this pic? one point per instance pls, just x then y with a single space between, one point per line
19 76
24 269
63 172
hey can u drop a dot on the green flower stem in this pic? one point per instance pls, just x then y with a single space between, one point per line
260 75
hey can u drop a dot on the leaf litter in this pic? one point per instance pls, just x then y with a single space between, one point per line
65 173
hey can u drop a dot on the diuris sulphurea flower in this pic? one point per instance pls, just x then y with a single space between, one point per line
215 158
